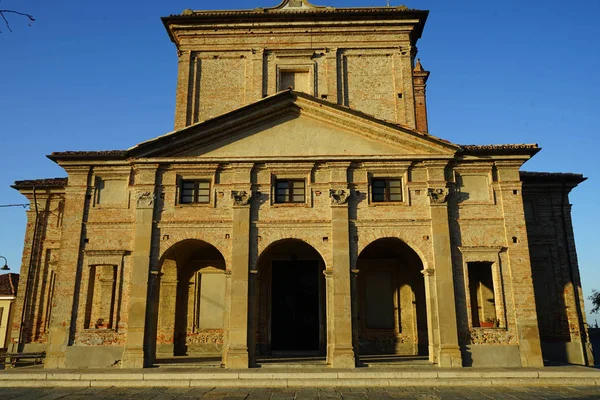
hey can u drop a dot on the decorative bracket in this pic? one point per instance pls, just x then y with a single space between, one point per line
240 197
339 196
145 199
437 196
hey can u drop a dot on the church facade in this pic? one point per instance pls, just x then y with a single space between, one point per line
300 207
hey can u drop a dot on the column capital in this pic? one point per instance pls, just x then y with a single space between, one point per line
241 197
428 272
437 195
145 199
339 197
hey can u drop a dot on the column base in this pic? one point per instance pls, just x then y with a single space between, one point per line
55 361
133 358
342 358
450 358
235 359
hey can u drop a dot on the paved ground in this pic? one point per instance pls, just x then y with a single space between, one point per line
474 393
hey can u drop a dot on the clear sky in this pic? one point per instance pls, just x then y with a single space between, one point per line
101 75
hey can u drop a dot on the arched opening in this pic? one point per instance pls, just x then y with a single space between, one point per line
391 309
290 317
191 303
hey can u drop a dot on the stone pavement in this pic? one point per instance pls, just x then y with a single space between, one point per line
445 393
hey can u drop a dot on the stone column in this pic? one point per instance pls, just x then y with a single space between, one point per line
70 259
449 354
340 317
145 178
235 354
253 316
510 186
432 322
355 324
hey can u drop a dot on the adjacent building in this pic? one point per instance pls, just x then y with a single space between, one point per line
301 207
8 294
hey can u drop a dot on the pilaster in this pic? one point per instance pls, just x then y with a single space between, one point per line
145 178
510 188
184 91
449 354
331 59
339 297
235 353
62 325
404 87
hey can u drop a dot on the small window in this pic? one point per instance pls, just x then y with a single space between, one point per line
384 190
290 191
295 80
195 192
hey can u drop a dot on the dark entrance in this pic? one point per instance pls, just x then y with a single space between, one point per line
295 306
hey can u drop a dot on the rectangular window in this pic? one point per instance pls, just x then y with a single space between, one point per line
386 190
481 291
295 80
290 191
194 192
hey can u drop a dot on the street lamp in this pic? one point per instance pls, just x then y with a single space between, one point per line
5 268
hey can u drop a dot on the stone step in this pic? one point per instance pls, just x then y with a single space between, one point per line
293 377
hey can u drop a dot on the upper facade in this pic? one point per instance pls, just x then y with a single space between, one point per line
363 58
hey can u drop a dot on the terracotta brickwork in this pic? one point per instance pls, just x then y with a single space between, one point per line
327 208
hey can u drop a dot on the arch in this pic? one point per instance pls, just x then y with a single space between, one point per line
188 299
277 242
422 251
391 300
312 239
289 307
214 238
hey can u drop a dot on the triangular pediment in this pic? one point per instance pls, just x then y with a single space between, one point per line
291 124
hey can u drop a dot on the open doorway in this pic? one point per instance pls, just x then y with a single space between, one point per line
290 320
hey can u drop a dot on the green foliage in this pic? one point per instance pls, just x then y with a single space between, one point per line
595 299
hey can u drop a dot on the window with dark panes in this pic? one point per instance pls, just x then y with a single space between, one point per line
386 190
290 191
195 192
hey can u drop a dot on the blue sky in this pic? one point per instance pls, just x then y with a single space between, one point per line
101 75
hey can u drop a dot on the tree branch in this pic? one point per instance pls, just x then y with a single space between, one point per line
3 12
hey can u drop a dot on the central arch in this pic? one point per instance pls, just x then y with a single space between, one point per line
392 311
290 311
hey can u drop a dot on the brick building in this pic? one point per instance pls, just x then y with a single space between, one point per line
301 207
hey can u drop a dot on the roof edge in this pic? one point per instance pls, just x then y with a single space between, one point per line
551 177
88 155
40 183
499 149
